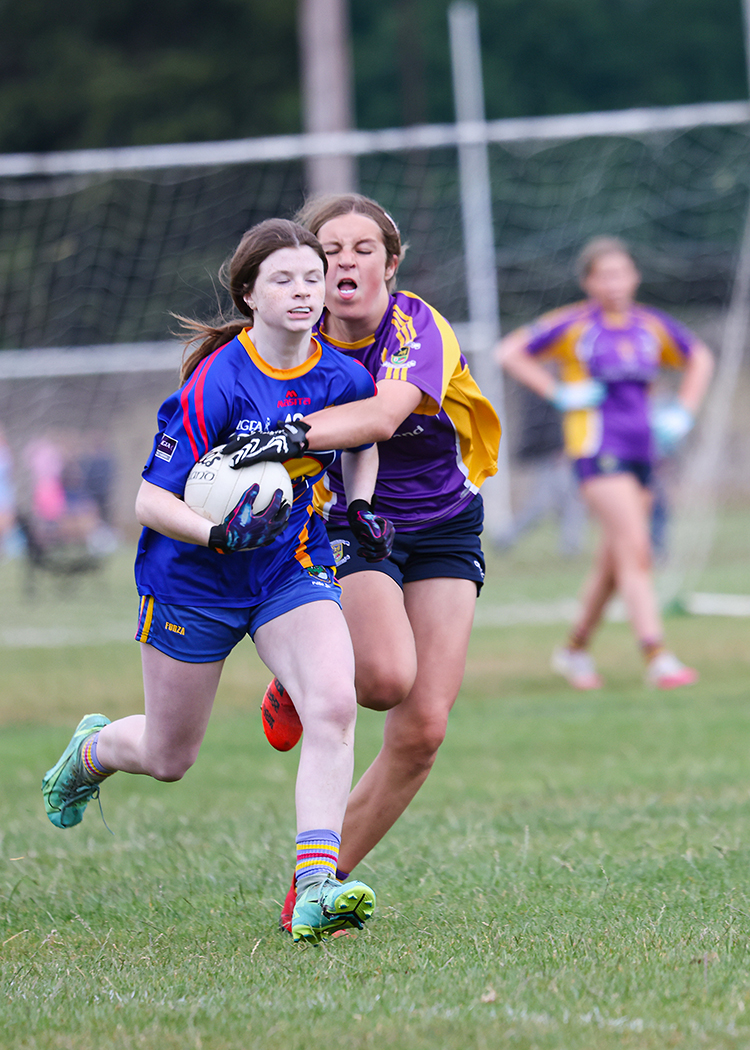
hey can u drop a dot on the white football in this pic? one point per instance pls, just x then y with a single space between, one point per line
213 489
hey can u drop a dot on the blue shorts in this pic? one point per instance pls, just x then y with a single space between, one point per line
202 634
598 466
449 549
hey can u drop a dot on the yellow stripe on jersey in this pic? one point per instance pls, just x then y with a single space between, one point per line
476 423
404 326
323 497
582 431
301 553
671 355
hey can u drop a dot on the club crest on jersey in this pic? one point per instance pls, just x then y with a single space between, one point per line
166 447
320 573
398 357
339 554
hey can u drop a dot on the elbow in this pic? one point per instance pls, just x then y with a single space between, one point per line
383 429
141 511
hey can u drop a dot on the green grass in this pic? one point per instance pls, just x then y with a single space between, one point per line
574 875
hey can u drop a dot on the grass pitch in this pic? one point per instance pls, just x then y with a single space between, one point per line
574 874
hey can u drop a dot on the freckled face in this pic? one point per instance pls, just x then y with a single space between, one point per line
612 281
289 290
358 268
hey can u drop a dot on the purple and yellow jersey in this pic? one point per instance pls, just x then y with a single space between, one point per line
234 391
443 451
625 352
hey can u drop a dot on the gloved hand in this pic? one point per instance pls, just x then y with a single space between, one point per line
242 530
374 532
670 424
288 441
587 393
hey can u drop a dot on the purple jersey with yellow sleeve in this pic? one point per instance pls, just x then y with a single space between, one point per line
625 352
440 455
234 391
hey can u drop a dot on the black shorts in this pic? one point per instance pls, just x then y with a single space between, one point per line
449 549
599 466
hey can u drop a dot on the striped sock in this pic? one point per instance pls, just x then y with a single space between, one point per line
95 772
578 640
651 648
342 876
317 854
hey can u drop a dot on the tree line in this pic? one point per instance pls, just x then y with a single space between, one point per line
123 72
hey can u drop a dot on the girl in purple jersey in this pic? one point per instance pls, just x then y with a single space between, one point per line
204 587
409 615
609 350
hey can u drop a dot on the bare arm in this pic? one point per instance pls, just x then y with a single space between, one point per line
696 377
360 472
160 510
360 422
511 353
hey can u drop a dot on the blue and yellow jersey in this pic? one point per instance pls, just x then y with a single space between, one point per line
443 451
625 352
234 391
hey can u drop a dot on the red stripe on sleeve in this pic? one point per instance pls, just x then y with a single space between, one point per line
193 389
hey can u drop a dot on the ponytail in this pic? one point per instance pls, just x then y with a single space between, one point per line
211 336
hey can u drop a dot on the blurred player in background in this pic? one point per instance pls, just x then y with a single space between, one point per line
609 350
552 488
204 587
410 616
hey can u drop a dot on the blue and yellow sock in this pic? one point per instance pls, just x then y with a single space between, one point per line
317 856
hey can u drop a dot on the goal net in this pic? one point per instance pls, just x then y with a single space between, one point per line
98 249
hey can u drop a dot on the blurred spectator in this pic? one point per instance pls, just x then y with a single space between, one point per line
70 495
7 497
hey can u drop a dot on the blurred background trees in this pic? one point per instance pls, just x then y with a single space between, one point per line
125 72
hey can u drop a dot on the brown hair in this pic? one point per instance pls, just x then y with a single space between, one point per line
316 211
594 249
238 275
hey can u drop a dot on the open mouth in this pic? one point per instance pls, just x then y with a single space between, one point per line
346 288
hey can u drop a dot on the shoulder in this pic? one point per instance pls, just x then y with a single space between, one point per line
335 363
413 322
556 327
411 306
564 316
663 324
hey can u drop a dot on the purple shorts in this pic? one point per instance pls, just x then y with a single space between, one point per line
606 463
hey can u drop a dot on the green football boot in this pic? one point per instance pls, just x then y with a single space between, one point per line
325 907
66 788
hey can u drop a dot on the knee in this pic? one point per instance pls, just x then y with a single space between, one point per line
335 710
384 688
633 557
417 749
172 766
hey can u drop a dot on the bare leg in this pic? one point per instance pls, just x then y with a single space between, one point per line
385 657
310 651
441 612
622 506
164 742
597 591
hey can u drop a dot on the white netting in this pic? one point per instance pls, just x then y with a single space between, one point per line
101 258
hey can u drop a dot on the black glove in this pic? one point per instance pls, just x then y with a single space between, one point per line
375 533
242 530
288 441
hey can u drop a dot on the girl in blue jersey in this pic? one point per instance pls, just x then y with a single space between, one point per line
609 350
410 615
204 587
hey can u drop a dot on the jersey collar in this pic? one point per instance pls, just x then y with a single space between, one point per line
307 365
